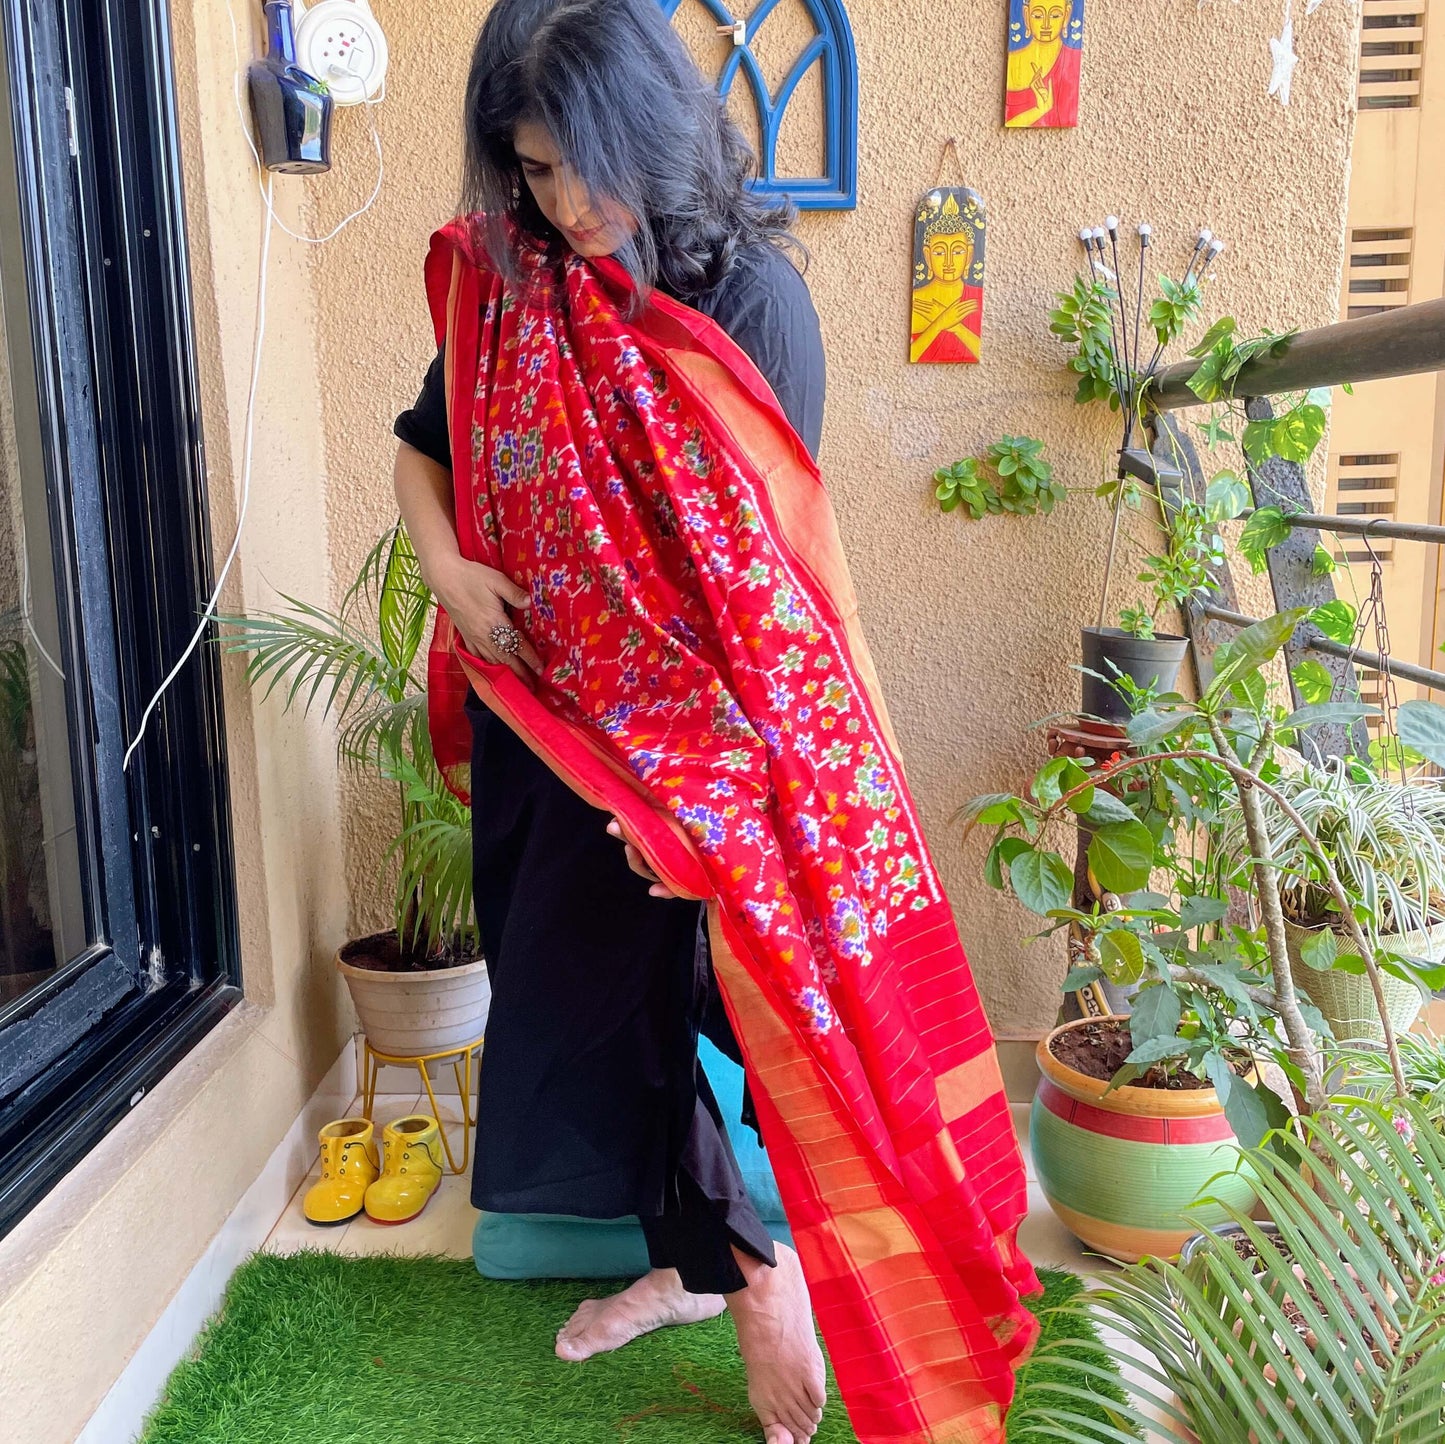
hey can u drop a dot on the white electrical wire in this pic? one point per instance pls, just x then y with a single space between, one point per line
245 497
264 182
25 611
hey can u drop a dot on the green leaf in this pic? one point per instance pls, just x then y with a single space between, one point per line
1122 956
1320 950
1313 681
1200 911
1266 528
1221 330
1155 1014
1059 776
1042 881
1081 977
404 606
1121 856
1247 1108
1323 563
1250 649
1421 726
1146 728
1156 1050
993 809
1208 382
1226 497
1296 434
1336 620
1216 429
1106 808
1323 714
1255 440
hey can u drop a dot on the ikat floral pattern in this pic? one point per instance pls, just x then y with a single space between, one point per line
668 624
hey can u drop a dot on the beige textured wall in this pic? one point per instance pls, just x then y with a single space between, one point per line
973 626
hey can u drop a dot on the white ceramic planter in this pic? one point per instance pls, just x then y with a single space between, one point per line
1347 1000
408 1015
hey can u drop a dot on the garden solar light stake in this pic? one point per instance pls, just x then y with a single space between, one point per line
1130 379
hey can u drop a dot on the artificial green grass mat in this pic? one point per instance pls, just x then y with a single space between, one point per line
315 1348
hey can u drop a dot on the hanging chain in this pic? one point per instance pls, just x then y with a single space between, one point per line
1375 616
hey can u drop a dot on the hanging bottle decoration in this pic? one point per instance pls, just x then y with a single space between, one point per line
1045 47
948 244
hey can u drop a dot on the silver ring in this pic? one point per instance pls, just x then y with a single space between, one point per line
506 639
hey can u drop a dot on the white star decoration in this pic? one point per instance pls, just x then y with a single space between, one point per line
1285 60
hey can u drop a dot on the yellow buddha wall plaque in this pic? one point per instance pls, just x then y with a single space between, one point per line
1045 47
948 236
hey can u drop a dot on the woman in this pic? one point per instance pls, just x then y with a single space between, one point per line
612 284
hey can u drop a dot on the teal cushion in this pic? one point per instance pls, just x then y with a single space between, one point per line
553 1246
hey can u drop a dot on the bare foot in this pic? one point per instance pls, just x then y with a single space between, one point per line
656 1301
786 1381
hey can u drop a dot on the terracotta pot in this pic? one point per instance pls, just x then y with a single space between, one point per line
1347 1000
1121 1169
409 1014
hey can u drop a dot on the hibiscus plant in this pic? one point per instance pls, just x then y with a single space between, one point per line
1188 906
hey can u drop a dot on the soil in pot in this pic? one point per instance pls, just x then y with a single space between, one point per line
1099 1050
383 953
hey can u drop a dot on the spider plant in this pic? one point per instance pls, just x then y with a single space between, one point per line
361 665
1386 840
1325 1325
1422 1060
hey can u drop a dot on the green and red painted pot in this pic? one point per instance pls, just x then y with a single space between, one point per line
1121 1169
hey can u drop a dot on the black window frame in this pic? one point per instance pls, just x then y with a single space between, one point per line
95 219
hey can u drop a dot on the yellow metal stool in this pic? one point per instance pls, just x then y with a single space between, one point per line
461 1060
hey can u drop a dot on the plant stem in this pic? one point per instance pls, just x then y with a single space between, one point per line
1303 1052
1242 776
1113 548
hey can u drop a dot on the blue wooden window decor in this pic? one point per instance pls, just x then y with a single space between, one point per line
837 188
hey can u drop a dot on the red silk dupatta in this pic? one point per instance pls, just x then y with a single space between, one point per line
706 680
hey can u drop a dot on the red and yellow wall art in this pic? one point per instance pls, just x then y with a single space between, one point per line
948 237
1045 46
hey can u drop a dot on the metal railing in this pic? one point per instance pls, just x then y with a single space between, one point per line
1403 342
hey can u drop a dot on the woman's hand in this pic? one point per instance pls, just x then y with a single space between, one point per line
638 863
476 598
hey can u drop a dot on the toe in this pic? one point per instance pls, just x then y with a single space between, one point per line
777 1434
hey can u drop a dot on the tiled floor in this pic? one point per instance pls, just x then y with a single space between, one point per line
445 1225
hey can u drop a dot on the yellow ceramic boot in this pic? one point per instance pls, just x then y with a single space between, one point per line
411 1170
348 1169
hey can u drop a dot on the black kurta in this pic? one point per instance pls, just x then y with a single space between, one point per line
590 1100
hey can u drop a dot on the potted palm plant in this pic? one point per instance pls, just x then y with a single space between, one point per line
1321 1322
420 987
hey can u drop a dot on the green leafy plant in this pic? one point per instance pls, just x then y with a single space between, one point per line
1386 840
362 665
1181 572
1082 319
1186 811
1324 1323
1012 476
1422 1061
